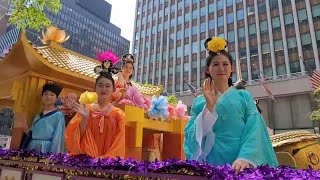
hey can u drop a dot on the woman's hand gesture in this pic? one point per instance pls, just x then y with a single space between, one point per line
210 93
81 109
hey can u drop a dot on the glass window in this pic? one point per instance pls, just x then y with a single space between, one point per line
194 30
316 10
179 35
238 1
220 21
292 42
286 3
195 46
305 39
231 36
265 48
187 17
252 29
211 7
229 3
240 14
273 4
281 69
241 33
186 32
250 11
203 27
203 11
302 15
288 19
179 51
278 45
220 4
263 26
211 24
262 7
195 14
276 24
230 18
180 20
186 49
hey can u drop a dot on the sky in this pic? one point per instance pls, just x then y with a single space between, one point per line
122 15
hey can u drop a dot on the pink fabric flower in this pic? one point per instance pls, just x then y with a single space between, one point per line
126 102
171 111
134 95
108 55
180 111
147 102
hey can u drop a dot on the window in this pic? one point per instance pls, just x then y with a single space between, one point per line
179 35
211 24
263 26
302 16
316 12
231 36
281 69
276 24
186 49
211 7
203 11
220 21
265 48
220 4
203 27
292 44
194 30
286 3
195 14
295 67
278 45
273 4
252 31
187 17
241 33
179 51
240 14
306 41
229 3
318 37
229 18
195 46
186 32
262 7
250 11
288 19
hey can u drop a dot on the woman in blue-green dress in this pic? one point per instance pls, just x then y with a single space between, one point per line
46 134
225 126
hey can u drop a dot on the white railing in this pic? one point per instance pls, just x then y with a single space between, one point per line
8 40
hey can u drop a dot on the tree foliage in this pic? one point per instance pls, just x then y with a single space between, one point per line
31 13
315 115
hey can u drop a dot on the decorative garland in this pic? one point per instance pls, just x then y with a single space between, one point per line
107 168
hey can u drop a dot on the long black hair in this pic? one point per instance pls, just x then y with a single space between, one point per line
107 76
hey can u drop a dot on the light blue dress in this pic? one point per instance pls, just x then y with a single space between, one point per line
48 133
235 130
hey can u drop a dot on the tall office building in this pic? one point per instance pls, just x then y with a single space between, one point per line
279 37
88 24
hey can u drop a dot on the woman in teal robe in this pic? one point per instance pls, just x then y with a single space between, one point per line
46 134
225 126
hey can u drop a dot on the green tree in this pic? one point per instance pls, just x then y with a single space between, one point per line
30 13
315 115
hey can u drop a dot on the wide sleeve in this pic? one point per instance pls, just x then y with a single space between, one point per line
199 137
118 146
256 147
57 145
72 135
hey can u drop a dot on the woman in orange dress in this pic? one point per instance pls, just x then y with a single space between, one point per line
98 129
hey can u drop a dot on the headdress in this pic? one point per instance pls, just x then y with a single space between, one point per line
52 87
108 60
128 58
215 44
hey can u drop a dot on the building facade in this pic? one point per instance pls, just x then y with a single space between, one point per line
88 24
281 38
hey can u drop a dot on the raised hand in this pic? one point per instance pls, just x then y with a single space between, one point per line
210 93
81 109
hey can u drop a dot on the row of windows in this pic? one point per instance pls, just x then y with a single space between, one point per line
280 68
288 20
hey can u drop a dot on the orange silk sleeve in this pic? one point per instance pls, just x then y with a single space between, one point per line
118 146
72 135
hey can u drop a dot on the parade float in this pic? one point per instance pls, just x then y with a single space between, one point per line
25 69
